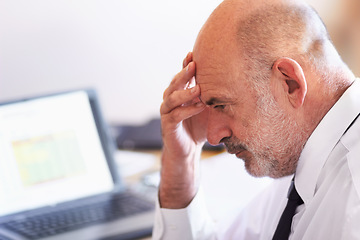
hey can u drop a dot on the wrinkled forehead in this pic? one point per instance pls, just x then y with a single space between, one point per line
218 77
217 57
217 64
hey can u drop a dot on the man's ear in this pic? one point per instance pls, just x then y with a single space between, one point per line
292 79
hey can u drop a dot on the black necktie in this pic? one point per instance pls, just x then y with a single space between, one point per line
282 231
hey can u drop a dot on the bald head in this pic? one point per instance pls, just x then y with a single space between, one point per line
264 68
261 31
283 29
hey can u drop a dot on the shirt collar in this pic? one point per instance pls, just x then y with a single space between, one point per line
323 140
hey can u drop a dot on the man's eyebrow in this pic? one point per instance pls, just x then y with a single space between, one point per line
214 100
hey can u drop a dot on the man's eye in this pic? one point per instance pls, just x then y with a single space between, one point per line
220 107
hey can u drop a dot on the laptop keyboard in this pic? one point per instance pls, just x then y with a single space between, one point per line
52 223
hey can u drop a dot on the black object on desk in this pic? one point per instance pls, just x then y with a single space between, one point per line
147 137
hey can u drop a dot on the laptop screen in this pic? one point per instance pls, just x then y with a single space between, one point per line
50 152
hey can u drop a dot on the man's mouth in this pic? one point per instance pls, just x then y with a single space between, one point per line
240 153
235 147
239 150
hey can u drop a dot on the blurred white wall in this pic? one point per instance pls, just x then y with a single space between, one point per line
129 50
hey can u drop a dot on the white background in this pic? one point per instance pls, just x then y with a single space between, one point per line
129 50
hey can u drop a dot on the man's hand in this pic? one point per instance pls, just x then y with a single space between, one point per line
183 123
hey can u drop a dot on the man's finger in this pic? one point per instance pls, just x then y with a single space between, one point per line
179 98
187 59
181 79
180 114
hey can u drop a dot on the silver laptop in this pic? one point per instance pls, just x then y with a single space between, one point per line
58 178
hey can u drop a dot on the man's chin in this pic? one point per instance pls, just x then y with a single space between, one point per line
254 169
260 172
256 173
257 170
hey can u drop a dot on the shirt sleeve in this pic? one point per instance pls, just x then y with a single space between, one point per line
192 222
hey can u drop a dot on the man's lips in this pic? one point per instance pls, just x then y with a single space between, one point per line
233 148
238 152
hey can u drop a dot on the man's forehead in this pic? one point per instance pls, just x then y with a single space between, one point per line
215 92
210 70
216 82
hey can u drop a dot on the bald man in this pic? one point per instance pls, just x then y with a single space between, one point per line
271 87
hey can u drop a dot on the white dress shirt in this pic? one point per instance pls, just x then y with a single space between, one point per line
327 179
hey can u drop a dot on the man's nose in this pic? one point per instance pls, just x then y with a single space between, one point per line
217 127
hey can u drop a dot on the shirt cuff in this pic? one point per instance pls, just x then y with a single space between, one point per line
192 222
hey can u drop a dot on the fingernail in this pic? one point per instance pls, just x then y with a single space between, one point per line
187 55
